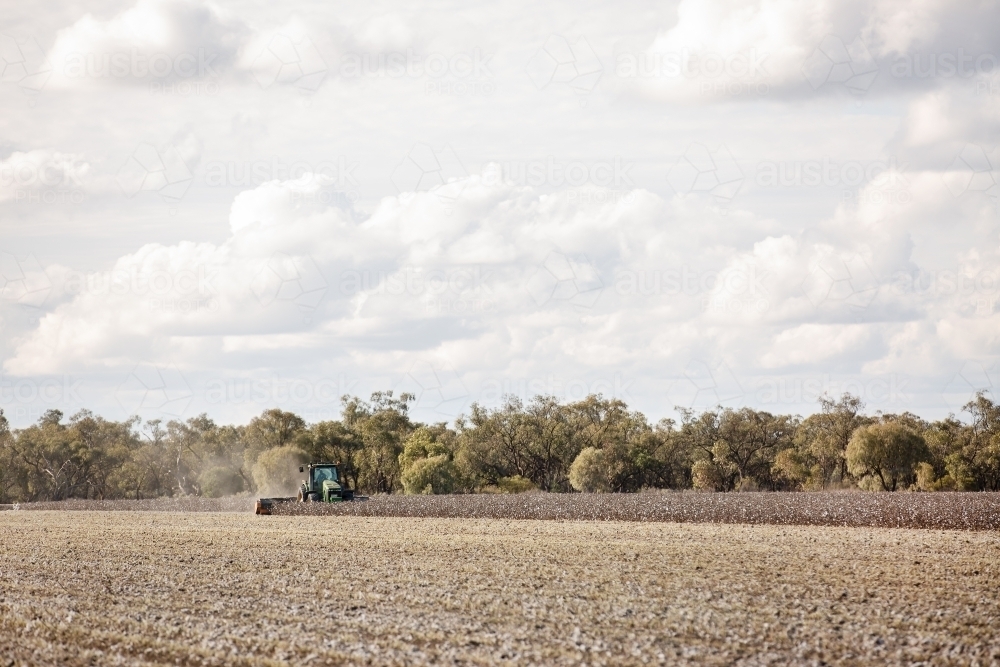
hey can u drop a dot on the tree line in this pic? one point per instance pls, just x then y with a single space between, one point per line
596 444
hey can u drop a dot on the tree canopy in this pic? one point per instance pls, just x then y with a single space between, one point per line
595 444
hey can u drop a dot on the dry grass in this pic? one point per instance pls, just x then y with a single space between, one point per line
231 588
967 511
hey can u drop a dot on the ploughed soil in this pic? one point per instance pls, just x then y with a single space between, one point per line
232 588
966 511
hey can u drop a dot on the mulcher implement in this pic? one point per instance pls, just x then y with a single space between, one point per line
323 484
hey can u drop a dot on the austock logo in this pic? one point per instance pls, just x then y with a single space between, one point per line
23 63
140 66
827 173
460 74
436 386
742 73
835 63
23 280
560 62
290 279
53 391
397 64
555 173
27 399
493 390
729 290
835 281
276 390
973 171
176 290
701 170
292 62
39 178
705 385
425 169
946 282
159 390
337 171
690 65
885 390
944 65
461 290
973 377
564 279
149 169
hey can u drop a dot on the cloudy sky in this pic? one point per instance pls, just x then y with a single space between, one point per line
225 207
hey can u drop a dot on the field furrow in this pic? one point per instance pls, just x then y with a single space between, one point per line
231 588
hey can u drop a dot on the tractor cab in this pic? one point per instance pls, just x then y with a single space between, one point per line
323 484
321 473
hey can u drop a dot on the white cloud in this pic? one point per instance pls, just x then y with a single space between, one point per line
411 263
748 49
815 343
153 41
350 275
414 276
952 117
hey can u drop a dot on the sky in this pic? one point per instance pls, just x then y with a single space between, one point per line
228 207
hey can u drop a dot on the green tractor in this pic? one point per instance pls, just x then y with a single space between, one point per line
323 484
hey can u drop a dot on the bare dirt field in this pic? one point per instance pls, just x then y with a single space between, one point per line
966 511
201 588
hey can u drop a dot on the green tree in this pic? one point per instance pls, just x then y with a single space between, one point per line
495 444
747 443
147 472
381 425
589 472
887 452
630 448
332 442
976 465
790 469
706 476
434 474
697 436
12 474
822 439
551 445
273 428
110 446
667 459
58 462
426 465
